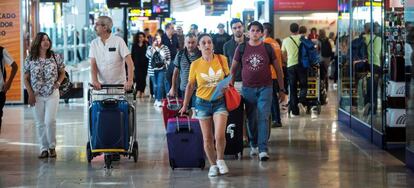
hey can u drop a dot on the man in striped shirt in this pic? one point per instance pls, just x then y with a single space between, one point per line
182 64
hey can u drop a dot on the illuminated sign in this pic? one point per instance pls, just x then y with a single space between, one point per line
140 12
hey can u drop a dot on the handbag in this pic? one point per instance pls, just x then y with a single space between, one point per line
231 95
66 85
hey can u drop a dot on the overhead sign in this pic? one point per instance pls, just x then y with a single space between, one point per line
305 5
123 3
10 38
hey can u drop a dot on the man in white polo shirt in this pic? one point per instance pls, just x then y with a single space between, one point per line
108 54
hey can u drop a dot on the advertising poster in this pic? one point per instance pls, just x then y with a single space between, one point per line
10 39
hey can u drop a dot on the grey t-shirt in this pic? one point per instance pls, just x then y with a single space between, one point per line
181 62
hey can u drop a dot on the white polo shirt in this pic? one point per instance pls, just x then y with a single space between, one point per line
110 59
7 59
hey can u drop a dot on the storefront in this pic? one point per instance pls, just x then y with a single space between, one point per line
409 17
373 70
318 14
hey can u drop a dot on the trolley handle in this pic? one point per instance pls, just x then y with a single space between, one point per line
109 86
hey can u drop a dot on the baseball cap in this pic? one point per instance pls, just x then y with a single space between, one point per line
220 25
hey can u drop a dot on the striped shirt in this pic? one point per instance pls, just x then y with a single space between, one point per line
165 55
181 62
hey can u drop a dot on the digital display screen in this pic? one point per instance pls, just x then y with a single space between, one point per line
161 8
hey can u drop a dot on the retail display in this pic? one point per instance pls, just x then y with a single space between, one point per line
394 68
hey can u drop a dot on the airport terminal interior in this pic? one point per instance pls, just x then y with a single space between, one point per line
359 134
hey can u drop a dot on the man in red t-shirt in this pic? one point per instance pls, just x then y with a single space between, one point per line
254 57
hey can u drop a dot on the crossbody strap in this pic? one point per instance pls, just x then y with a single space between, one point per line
221 64
296 44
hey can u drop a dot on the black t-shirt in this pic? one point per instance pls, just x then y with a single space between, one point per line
219 41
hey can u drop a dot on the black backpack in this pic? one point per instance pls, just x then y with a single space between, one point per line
3 70
326 48
156 60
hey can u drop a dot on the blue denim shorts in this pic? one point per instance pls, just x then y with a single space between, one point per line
206 109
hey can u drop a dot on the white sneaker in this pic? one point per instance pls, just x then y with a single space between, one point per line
254 151
314 113
213 172
223 169
335 86
263 156
292 115
302 108
159 104
156 103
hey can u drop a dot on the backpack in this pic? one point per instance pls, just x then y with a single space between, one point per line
156 60
3 70
269 50
180 55
326 48
359 49
308 55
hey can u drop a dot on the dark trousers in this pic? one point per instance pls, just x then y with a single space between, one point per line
297 73
377 75
2 101
275 110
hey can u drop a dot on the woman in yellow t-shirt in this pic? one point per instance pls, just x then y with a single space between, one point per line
206 72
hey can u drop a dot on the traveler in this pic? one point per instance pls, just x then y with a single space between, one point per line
159 59
108 54
275 109
257 89
220 38
290 51
182 64
139 49
5 83
206 72
170 40
44 71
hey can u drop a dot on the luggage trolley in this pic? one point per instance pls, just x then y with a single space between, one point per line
112 123
316 95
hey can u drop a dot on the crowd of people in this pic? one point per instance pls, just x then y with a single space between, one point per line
187 66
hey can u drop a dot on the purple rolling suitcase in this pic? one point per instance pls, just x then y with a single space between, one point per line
185 143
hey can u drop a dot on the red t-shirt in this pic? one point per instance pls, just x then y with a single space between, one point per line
255 65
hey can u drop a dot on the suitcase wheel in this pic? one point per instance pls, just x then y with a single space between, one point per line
172 164
135 151
108 161
202 164
89 155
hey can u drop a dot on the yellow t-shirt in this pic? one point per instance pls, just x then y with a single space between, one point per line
291 49
376 42
207 75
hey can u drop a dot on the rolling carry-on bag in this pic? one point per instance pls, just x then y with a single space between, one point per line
234 132
170 108
185 143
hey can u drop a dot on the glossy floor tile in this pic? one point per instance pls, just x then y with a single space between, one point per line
304 153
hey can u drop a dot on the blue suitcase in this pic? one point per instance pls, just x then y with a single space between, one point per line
185 143
109 126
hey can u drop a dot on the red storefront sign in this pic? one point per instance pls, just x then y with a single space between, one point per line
305 5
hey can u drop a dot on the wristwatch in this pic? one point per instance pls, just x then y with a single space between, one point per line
283 90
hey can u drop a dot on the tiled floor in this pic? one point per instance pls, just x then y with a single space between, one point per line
304 153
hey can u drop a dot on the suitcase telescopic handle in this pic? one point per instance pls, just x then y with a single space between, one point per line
178 124
169 99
